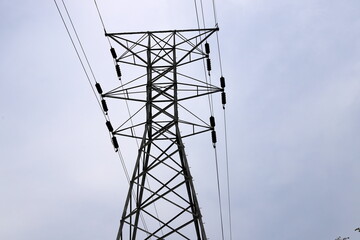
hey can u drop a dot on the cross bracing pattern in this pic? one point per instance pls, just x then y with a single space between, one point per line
170 50
161 202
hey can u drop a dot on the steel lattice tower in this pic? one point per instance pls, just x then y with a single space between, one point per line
161 202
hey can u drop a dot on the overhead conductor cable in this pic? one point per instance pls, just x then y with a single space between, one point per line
223 97
119 74
207 67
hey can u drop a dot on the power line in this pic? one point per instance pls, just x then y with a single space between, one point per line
217 37
102 21
79 57
204 65
131 122
128 180
214 10
197 13
219 192
202 12
227 174
106 116
208 77
79 41
225 123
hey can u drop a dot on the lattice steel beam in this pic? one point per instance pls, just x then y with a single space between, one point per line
161 159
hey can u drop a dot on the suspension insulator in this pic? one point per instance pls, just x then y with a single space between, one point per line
222 82
109 126
207 48
223 98
103 103
212 121
118 72
98 88
208 63
113 53
115 142
213 136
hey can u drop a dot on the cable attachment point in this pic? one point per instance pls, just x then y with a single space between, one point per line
207 48
113 53
98 88
212 122
213 137
118 71
109 126
223 99
208 64
222 82
115 143
104 106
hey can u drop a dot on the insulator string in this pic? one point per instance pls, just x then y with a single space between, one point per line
225 123
131 120
210 99
201 47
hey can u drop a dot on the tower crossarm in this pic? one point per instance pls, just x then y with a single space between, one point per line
188 90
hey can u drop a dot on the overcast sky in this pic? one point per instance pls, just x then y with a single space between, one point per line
293 114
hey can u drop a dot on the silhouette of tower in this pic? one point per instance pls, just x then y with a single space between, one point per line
161 202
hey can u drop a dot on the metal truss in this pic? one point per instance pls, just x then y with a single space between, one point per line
161 202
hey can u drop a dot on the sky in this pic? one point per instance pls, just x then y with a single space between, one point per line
292 115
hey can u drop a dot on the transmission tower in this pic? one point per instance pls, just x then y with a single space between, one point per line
161 202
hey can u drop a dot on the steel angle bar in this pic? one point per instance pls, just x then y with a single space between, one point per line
177 229
153 166
129 119
130 50
196 133
195 46
195 79
139 228
129 54
196 51
198 95
159 161
190 61
163 31
206 86
162 110
117 38
187 110
207 33
157 39
133 63
194 124
127 98
166 224
149 200
163 129
163 92
167 70
168 156
168 188
161 196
